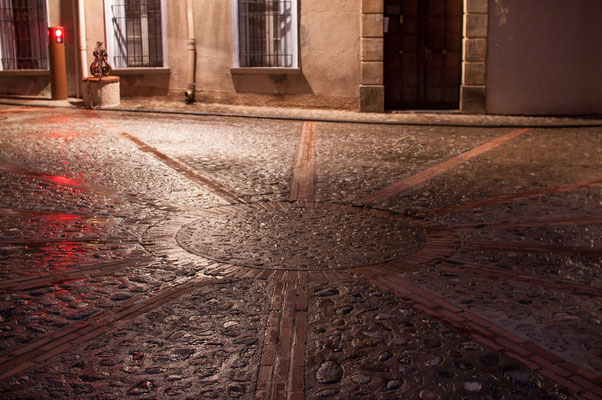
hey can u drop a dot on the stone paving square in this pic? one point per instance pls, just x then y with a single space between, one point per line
167 256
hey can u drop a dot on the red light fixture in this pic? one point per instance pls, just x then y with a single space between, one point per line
57 34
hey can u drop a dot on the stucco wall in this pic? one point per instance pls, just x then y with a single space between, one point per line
329 39
544 57
329 58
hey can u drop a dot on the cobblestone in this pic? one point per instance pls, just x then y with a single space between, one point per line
170 256
405 355
204 345
27 315
511 168
563 323
386 156
257 165
301 238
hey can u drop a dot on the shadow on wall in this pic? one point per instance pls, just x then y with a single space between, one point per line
139 85
271 83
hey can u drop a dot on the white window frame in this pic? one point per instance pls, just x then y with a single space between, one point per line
110 34
293 40
44 34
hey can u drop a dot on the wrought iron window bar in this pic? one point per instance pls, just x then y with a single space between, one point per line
23 34
263 27
138 34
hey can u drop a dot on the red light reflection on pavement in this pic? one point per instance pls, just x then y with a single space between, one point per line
63 217
55 119
62 180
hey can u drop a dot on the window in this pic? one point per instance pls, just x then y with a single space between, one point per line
266 33
136 33
23 34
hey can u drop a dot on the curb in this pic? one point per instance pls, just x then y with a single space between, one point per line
480 121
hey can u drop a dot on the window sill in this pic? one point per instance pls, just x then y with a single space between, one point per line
25 72
141 71
265 70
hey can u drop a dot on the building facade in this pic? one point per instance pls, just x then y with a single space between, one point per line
477 56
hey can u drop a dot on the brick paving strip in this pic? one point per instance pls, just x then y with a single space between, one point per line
537 358
54 215
533 248
208 183
64 242
18 110
67 338
529 223
304 174
205 182
282 369
429 173
71 273
510 198
521 279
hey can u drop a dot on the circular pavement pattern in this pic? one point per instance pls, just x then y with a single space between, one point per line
302 238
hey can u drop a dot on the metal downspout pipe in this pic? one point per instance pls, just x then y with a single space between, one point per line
190 91
82 38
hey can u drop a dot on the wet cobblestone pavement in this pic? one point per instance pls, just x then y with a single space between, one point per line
189 257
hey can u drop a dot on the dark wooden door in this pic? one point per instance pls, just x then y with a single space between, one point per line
422 53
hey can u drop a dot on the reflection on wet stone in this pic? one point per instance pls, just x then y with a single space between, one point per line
204 343
387 350
302 238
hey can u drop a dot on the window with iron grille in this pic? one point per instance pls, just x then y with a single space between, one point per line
135 33
267 33
23 34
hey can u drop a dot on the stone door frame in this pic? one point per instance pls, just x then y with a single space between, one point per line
474 57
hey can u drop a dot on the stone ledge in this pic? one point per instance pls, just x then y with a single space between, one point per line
141 71
104 79
372 73
474 74
372 98
372 49
264 71
472 99
476 6
372 6
475 50
372 25
475 25
25 72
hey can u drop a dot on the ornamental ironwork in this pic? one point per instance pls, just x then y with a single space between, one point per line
100 66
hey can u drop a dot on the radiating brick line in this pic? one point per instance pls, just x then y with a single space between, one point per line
534 248
19 110
304 174
281 371
101 269
65 339
510 198
17 212
63 242
79 184
529 223
522 279
213 186
530 354
421 177
208 183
